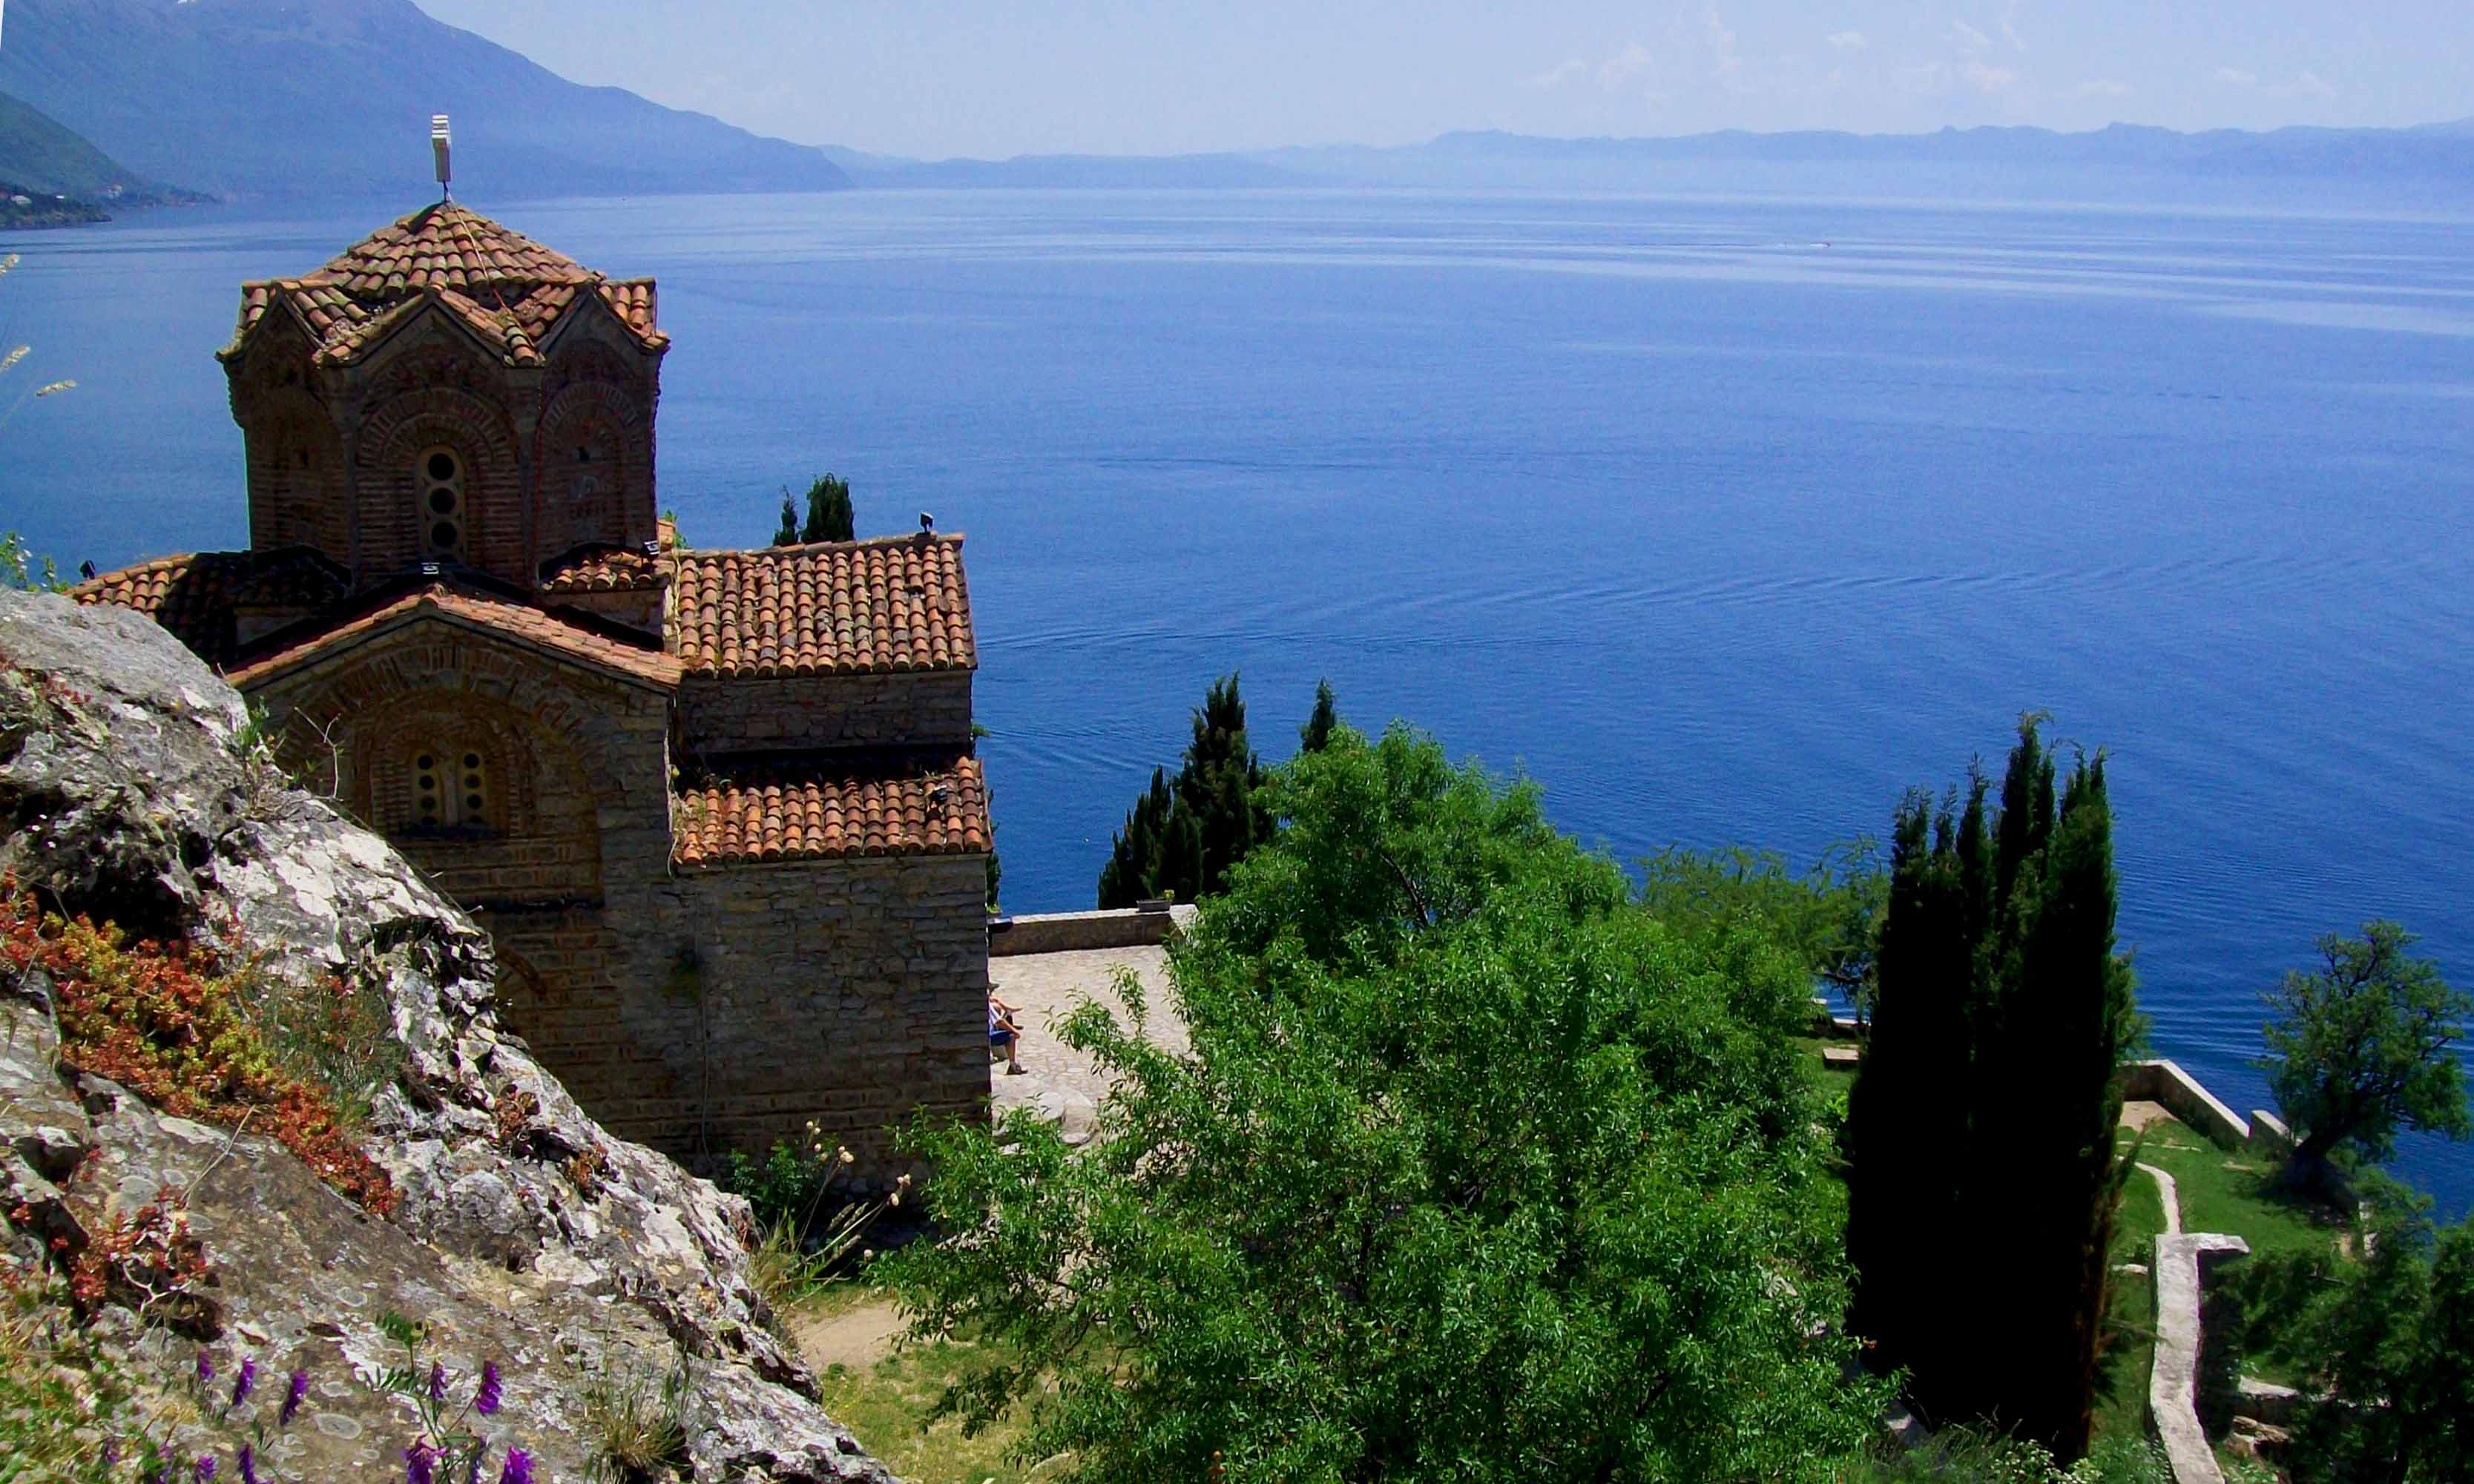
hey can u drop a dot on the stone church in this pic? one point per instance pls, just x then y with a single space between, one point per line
718 809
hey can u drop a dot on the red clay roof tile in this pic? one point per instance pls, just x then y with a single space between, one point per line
508 287
198 595
520 622
842 608
603 569
832 808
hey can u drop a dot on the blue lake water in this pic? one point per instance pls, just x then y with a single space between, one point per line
1725 521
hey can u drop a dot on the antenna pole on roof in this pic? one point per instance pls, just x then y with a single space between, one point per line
438 146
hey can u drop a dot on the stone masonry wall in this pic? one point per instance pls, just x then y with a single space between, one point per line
849 992
694 1011
798 713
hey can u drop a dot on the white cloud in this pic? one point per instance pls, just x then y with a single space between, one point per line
1968 37
1987 80
2235 77
1560 74
2101 87
1625 66
2311 84
1729 66
1848 41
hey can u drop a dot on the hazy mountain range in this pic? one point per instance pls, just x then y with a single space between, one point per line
332 97
271 99
2425 168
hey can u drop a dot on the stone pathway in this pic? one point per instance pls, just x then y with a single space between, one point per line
1057 1081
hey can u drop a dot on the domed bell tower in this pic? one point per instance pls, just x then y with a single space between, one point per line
450 392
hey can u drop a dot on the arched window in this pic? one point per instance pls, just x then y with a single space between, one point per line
451 789
439 476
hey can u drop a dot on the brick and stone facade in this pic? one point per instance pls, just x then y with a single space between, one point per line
718 809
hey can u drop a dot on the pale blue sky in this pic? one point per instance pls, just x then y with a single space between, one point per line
995 77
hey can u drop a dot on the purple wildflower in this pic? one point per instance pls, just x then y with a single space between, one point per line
205 1468
248 1461
486 1400
420 1464
437 1381
244 1380
293 1399
205 1366
518 1468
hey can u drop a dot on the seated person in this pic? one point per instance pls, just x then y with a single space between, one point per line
1004 1031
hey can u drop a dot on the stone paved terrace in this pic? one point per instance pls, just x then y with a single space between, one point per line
1061 1083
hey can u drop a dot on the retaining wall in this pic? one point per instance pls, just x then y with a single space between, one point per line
1061 932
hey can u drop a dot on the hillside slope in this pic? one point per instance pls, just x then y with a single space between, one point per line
327 98
38 154
512 1225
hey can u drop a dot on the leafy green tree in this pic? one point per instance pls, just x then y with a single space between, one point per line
2384 1341
830 517
1987 1100
1316 734
1475 1172
787 533
2362 1048
1831 915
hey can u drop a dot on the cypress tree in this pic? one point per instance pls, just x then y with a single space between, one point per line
1183 836
830 517
787 534
1986 1102
1316 734
1135 855
1218 786
1907 1131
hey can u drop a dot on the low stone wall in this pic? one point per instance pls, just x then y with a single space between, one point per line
2182 1264
1064 932
2182 1095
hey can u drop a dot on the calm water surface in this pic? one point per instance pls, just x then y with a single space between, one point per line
1725 521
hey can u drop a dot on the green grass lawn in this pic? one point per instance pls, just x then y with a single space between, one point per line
2224 1191
2130 1314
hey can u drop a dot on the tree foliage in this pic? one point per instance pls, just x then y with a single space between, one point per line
1475 1172
830 517
1183 834
2384 1341
1987 1100
1316 734
1830 914
2362 1048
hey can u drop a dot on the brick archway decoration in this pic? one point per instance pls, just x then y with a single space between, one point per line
393 438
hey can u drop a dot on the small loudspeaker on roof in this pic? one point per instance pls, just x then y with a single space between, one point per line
438 147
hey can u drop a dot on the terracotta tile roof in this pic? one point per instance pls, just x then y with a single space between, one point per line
503 617
510 289
603 569
834 808
842 607
198 595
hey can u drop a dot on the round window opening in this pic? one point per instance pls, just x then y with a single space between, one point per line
441 466
441 535
442 501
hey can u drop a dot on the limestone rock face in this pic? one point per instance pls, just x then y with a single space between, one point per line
130 790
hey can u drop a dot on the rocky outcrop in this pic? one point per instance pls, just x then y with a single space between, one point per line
130 790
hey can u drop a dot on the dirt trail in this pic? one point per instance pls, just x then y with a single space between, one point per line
857 1337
